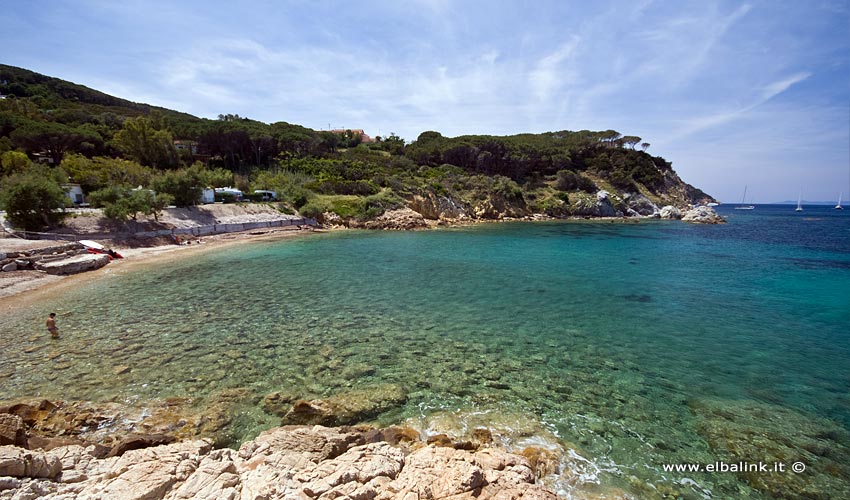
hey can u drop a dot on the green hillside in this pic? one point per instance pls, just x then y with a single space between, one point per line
104 142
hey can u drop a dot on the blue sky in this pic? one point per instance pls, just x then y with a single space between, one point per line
733 93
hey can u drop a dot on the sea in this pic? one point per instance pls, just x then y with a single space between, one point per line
656 359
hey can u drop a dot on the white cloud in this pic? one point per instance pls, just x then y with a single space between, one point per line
773 89
699 123
678 74
551 72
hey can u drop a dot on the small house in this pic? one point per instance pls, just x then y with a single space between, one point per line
208 195
190 146
74 193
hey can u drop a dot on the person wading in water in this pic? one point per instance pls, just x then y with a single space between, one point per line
51 326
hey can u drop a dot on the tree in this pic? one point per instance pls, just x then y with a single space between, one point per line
98 173
13 161
392 144
609 137
52 138
644 146
631 140
184 185
33 200
569 181
119 203
147 141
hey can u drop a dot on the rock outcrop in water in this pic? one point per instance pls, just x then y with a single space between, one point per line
703 215
670 212
288 462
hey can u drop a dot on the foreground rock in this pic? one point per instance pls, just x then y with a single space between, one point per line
287 462
76 264
703 215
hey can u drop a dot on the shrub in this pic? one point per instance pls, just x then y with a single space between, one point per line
312 209
507 187
14 161
185 185
107 196
33 200
225 197
121 203
623 180
571 181
375 205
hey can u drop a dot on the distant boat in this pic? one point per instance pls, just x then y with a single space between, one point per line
839 207
799 202
712 204
742 206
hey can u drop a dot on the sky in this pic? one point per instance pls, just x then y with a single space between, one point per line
734 94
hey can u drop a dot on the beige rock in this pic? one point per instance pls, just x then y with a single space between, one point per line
76 264
437 473
12 430
294 462
316 443
400 219
18 462
216 478
146 474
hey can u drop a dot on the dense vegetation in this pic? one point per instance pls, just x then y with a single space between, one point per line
109 146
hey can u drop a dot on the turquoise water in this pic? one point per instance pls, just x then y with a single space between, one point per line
634 345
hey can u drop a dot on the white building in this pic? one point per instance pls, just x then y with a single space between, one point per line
208 195
74 193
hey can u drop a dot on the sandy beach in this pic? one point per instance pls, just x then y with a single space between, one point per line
22 288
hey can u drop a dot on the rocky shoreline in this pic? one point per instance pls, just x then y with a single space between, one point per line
56 450
286 462
443 212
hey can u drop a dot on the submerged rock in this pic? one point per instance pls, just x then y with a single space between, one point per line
278 403
745 431
347 407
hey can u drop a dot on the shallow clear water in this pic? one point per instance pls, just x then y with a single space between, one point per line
635 344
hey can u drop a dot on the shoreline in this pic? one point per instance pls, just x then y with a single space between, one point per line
36 285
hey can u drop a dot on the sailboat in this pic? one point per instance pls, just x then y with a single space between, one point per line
743 200
839 207
799 200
